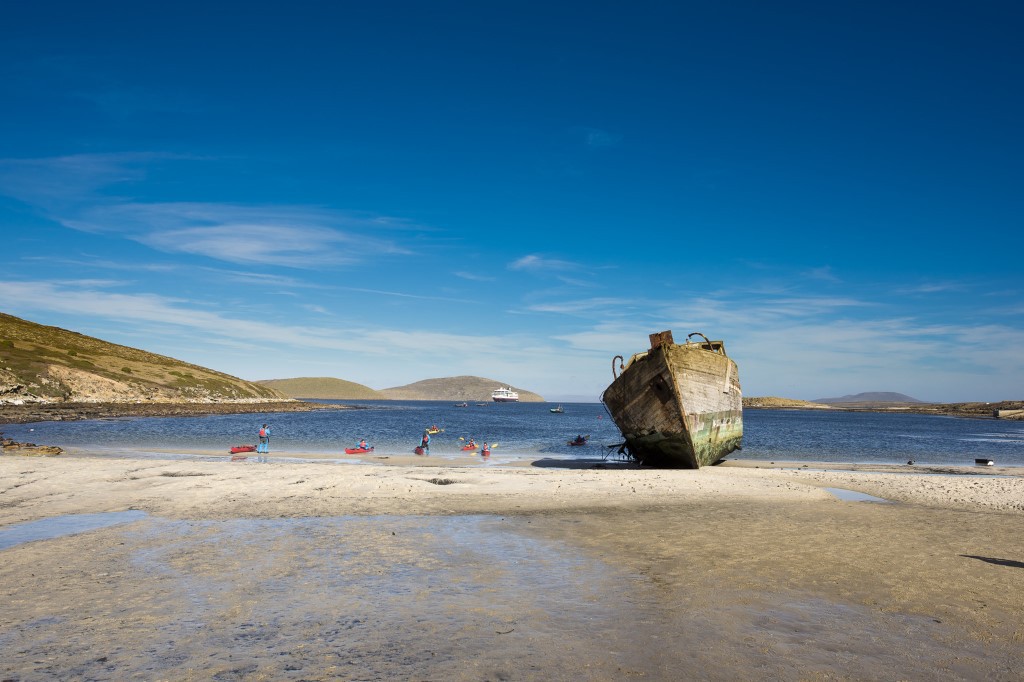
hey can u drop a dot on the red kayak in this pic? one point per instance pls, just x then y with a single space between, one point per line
357 451
419 451
469 447
578 442
242 448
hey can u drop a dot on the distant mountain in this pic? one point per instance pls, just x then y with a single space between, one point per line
462 388
875 397
326 388
49 364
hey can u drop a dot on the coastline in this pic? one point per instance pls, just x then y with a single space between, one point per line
39 412
515 572
38 487
11 413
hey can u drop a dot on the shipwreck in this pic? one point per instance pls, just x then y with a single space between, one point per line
677 405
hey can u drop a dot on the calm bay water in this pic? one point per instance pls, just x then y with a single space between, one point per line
531 431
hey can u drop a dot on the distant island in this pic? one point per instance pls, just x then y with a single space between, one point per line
321 388
874 397
459 389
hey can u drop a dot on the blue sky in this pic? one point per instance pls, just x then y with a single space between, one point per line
394 191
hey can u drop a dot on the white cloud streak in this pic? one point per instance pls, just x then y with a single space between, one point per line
290 236
73 191
535 263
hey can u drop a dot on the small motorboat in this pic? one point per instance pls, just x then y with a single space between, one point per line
242 448
580 440
557 410
357 451
461 405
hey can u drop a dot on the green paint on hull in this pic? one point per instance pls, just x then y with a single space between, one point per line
717 435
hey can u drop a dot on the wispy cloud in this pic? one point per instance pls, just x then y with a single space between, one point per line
264 278
74 191
290 236
474 276
536 263
934 288
97 302
595 137
576 307
105 264
577 282
404 294
823 273
54 183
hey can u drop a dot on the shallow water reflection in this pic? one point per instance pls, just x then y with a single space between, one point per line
855 496
453 598
58 526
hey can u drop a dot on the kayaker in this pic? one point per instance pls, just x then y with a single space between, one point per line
363 445
425 443
485 451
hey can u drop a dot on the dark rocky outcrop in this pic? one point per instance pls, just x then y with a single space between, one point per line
10 447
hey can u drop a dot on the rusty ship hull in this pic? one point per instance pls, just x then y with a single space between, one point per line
678 405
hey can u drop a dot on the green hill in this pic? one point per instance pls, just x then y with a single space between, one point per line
461 388
39 363
326 388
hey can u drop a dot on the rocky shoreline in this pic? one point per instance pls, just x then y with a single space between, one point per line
9 446
44 412
966 410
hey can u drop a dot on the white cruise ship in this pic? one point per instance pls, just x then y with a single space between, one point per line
504 395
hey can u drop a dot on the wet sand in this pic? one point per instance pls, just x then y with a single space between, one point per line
407 569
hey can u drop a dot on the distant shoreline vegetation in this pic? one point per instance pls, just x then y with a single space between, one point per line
458 389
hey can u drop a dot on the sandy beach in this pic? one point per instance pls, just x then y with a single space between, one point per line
406 568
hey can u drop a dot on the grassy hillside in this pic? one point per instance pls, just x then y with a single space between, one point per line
41 363
462 388
327 388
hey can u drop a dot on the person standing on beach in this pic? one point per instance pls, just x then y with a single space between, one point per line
264 446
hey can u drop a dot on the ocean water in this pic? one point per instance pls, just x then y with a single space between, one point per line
530 431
